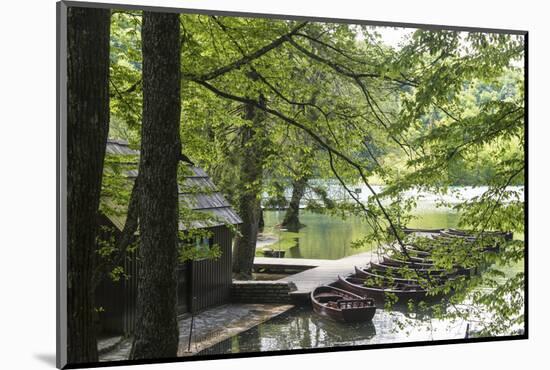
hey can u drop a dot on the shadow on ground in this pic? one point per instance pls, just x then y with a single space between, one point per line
47 358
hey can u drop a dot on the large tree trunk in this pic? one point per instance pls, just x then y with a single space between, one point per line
291 220
127 235
249 199
87 128
261 221
156 332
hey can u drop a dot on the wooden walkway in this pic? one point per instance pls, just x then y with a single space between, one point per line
287 263
320 272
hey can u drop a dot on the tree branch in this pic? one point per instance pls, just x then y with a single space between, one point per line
244 60
343 69
357 78
320 141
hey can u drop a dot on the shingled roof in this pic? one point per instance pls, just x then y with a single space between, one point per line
196 192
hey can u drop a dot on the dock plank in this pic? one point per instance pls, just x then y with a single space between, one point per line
287 262
321 272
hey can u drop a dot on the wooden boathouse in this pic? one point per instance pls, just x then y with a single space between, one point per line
201 283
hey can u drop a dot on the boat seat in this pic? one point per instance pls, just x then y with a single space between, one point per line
327 297
332 304
354 303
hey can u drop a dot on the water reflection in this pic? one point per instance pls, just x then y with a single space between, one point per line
300 328
330 237
294 251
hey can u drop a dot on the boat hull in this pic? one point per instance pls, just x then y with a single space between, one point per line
381 294
351 308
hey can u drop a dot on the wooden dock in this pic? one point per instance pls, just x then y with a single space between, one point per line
319 272
286 264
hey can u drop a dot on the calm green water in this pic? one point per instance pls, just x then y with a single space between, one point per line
300 328
330 237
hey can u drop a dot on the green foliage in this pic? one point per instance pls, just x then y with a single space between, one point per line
341 107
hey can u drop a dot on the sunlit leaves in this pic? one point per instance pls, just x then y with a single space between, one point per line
444 109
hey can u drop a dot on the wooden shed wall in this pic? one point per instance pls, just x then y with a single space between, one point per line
109 297
131 265
118 301
211 279
210 285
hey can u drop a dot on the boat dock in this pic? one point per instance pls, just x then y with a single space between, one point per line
274 264
317 272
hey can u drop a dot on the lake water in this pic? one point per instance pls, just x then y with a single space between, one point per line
300 328
330 237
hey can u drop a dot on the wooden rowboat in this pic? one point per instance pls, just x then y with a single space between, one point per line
452 242
341 305
273 253
443 239
403 292
407 230
411 254
507 235
388 278
447 235
466 234
417 259
377 276
417 252
401 262
397 270
471 239
427 267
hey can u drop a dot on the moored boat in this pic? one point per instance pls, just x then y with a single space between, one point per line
429 268
377 276
444 239
448 235
411 263
507 235
342 305
273 253
467 235
418 252
402 292
408 230
491 240
418 259
399 269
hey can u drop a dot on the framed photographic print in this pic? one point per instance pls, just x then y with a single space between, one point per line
235 184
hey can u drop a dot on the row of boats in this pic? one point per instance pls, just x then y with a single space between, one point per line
402 277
